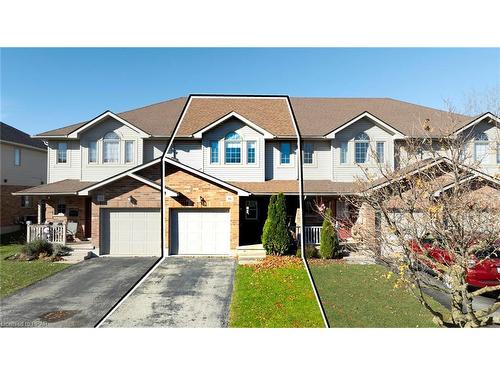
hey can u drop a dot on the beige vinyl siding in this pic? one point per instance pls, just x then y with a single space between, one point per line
99 171
276 171
234 172
72 169
351 171
488 164
153 149
31 172
188 152
321 168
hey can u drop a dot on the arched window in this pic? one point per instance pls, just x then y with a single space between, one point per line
480 146
111 148
361 144
232 148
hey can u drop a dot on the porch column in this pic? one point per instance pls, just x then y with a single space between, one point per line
39 211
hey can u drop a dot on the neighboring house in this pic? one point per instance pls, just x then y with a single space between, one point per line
23 164
229 154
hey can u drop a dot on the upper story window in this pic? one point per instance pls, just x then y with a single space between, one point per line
380 152
92 152
129 151
308 153
62 153
343 152
214 152
480 146
251 152
361 144
232 148
17 156
285 150
111 148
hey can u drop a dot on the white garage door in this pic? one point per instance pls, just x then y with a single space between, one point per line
200 232
131 232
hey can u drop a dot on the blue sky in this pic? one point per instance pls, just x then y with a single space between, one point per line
45 88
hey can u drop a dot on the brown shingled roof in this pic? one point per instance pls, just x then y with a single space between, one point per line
320 116
292 187
156 119
11 134
60 187
271 114
316 117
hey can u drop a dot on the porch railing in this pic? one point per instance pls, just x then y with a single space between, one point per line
51 233
312 234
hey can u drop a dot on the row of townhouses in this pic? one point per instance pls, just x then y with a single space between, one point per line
227 156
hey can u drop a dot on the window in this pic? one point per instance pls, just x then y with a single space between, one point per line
111 148
26 201
343 152
308 153
285 153
233 148
498 153
214 152
62 152
17 156
251 152
251 211
129 151
480 146
361 144
92 152
61 207
380 152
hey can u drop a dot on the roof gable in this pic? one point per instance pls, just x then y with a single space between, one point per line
488 115
388 128
237 116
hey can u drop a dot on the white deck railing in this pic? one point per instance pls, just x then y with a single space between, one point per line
51 233
312 235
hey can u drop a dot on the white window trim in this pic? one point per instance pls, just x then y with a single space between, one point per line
242 154
346 162
57 154
291 164
134 150
96 152
210 152
485 159
368 158
16 150
257 160
384 151
314 163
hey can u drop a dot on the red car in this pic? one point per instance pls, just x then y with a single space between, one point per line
484 269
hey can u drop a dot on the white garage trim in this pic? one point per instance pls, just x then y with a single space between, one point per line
203 231
130 231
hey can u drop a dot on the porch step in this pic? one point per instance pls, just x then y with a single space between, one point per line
250 259
77 256
250 254
81 246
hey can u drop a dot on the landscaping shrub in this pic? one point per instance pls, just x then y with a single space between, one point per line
310 251
276 238
37 247
329 242
269 225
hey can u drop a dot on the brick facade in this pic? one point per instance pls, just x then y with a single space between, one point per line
11 211
76 210
190 188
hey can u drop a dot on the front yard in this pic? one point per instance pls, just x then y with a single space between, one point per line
276 293
15 275
361 296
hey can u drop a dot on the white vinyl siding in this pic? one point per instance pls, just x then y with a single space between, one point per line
242 171
321 168
153 149
187 152
274 169
483 153
345 140
69 170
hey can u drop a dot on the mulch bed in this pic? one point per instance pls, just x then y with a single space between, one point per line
273 262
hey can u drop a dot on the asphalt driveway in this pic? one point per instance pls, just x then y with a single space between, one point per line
181 292
78 296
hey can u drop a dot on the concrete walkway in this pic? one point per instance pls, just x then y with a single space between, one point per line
181 292
78 296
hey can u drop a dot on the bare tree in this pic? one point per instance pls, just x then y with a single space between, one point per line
433 218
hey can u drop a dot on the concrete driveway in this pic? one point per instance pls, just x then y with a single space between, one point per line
78 296
181 292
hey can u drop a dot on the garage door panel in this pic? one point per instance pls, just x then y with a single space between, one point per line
200 231
133 232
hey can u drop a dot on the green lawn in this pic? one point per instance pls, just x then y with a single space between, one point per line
15 275
279 297
359 296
